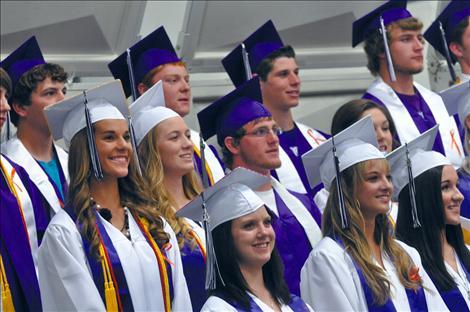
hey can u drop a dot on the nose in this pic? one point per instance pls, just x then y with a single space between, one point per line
4 106
458 196
379 133
272 137
294 78
185 86
187 143
419 43
60 95
387 184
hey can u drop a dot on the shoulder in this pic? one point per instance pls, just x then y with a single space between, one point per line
327 247
216 304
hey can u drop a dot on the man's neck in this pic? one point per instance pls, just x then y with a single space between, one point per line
403 83
37 143
283 118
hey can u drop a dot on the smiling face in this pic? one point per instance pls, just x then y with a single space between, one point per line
175 146
451 196
375 188
281 90
406 48
114 147
253 238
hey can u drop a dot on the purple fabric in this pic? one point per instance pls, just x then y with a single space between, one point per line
18 69
292 243
198 165
194 269
151 59
464 187
261 51
415 105
15 247
456 18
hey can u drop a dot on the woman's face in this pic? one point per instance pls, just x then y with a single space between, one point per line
4 107
254 238
114 147
175 146
451 196
375 191
382 129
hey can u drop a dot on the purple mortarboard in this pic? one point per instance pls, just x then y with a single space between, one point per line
229 113
390 11
264 41
152 51
449 18
22 60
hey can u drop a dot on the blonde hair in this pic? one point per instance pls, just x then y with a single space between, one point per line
132 190
152 166
355 241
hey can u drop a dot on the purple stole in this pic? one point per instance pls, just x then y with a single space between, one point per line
292 243
464 187
117 271
423 123
416 300
15 247
194 269
296 304
198 165
453 298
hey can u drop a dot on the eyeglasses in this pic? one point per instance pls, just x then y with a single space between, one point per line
264 131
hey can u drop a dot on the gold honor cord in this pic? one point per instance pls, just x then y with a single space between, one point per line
7 300
109 289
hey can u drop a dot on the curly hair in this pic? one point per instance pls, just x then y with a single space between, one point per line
29 82
374 45
152 166
132 189
354 239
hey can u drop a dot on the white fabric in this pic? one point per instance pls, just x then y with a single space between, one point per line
211 160
460 278
405 125
329 281
16 151
465 77
287 173
216 304
299 211
66 281
28 209
198 230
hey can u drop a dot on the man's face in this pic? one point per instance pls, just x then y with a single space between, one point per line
47 92
281 90
259 147
176 87
406 47
462 52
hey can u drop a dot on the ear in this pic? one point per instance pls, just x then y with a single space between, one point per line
141 88
456 49
231 146
467 122
21 110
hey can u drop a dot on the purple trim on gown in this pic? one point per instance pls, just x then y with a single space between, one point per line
292 243
414 104
15 247
197 161
194 269
464 187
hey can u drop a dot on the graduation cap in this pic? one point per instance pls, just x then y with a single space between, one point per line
231 197
353 145
457 100
245 58
152 51
67 117
412 159
24 58
149 110
234 110
378 19
440 31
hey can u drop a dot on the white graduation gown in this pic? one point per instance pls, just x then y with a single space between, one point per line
66 281
460 279
329 281
216 304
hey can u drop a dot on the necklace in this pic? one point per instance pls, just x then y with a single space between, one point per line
107 215
125 227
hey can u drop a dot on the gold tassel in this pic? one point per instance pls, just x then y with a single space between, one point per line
7 300
109 290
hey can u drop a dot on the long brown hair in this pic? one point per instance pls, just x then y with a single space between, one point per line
133 192
152 167
355 241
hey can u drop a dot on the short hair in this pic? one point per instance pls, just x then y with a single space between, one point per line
29 82
457 34
266 65
5 82
147 80
351 112
427 238
236 287
227 156
374 44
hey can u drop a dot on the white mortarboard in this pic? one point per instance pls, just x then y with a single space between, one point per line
457 100
231 197
67 117
355 144
149 110
422 158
